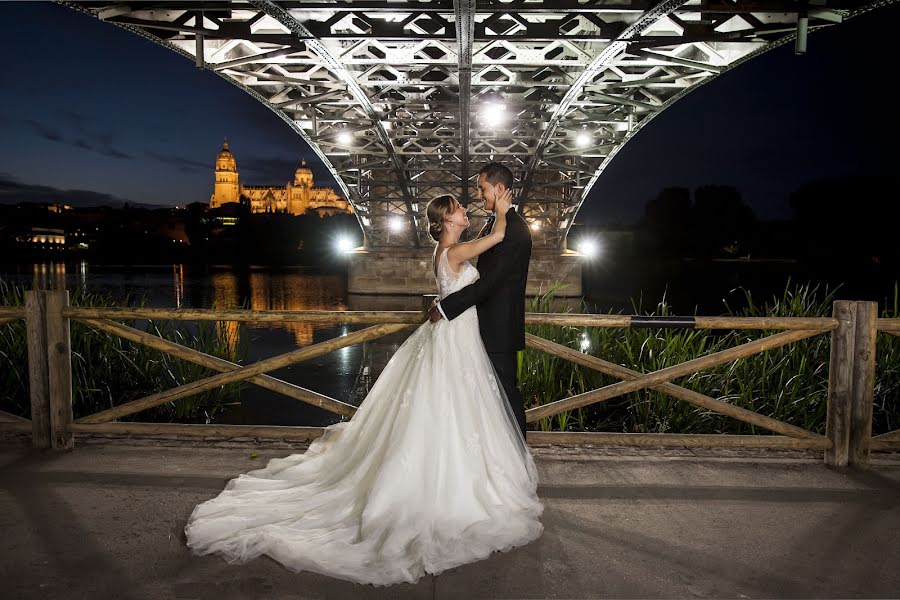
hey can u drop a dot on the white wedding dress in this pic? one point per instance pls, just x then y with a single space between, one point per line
430 473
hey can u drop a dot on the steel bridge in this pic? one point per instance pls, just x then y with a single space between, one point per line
403 99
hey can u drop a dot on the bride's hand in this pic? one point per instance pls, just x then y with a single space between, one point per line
503 203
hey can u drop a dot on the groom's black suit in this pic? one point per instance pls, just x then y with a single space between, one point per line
499 295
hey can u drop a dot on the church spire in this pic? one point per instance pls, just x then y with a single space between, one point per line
225 144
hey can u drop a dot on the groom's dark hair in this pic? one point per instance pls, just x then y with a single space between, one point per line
496 173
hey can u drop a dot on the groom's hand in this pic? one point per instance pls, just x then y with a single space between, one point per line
434 315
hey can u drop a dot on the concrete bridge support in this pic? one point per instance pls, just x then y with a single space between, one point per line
401 271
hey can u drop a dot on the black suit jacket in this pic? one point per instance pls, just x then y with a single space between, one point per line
499 294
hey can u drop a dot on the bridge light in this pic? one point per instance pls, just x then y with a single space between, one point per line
588 248
345 138
396 224
584 138
344 244
535 225
494 114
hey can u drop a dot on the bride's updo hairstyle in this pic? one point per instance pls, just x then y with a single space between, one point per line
437 211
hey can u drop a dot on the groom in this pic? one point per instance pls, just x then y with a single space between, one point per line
499 294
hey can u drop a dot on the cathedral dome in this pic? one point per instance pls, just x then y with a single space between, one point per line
225 159
303 174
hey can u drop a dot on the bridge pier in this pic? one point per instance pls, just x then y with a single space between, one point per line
402 271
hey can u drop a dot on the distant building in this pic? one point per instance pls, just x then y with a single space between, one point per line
46 236
295 198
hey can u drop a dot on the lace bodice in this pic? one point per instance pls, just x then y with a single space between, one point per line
448 281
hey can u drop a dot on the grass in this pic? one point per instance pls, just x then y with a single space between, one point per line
788 383
108 370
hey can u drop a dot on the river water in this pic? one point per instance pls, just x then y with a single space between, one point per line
346 374
341 374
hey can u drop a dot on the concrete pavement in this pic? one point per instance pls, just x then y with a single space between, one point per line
105 521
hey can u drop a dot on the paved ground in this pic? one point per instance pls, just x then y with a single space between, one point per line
105 521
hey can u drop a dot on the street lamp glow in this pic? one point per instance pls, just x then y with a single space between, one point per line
494 114
344 245
535 225
396 224
345 138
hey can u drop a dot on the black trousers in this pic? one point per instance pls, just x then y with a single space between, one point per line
506 366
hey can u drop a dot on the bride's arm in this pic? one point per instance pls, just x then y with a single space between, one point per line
459 253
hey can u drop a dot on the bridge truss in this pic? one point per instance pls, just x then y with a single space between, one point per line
403 100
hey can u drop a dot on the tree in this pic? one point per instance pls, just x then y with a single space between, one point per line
721 220
666 222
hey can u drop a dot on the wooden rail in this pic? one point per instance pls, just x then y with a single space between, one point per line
667 374
695 398
12 312
848 441
212 362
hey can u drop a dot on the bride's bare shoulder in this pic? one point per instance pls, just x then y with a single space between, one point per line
436 257
453 259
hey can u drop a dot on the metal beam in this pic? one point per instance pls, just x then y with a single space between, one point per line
465 26
594 69
579 79
336 67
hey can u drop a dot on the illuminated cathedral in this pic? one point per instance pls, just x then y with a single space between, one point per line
295 198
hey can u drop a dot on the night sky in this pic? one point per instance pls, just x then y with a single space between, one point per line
94 114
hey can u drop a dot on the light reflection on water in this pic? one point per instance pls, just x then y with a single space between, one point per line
181 286
280 291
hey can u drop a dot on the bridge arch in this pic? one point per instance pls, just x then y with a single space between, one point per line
399 99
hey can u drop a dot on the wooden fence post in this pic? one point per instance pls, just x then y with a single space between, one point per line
38 379
851 379
59 369
863 377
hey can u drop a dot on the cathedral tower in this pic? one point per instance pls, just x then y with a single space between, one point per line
299 191
227 188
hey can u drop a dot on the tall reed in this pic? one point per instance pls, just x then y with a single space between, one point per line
788 383
108 370
886 411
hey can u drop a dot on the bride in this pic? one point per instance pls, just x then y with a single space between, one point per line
431 473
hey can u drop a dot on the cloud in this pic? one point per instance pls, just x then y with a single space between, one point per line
184 165
114 153
101 143
45 132
13 191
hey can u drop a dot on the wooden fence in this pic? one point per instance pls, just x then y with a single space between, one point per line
848 440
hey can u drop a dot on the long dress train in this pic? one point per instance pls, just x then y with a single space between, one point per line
429 474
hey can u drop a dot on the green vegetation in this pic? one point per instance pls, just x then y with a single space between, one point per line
108 370
788 383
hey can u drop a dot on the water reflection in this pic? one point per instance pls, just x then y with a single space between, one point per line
178 284
49 276
269 290
338 374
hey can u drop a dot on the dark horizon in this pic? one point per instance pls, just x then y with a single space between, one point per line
766 128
